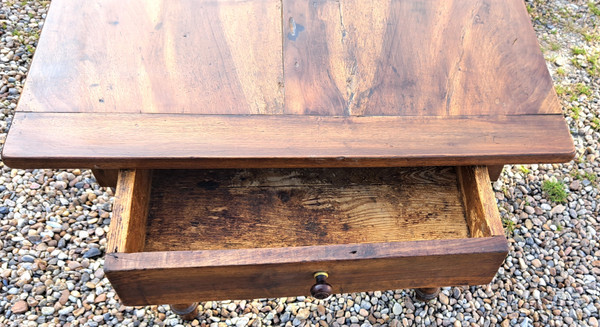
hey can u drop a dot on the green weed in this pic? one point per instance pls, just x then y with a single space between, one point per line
577 51
555 190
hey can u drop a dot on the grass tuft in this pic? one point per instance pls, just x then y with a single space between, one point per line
555 190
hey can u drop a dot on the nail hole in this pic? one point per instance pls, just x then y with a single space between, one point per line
353 252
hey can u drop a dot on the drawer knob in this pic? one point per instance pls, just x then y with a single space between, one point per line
321 290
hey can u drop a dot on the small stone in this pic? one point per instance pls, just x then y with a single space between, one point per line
443 299
302 314
536 263
529 210
66 311
100 298
64 297
558 209
363 312
321 309
60 185
575 185
19 307
546 207
397 308
53 224
92 253
242 322
528 224
78 312
47 311
560 61
522 264
73 265
231 307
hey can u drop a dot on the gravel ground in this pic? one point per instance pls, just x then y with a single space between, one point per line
53 224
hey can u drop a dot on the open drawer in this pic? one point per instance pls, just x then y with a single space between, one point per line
190 235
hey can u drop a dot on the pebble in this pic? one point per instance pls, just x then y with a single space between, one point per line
47 311
303 314
443 298
92 253
19 307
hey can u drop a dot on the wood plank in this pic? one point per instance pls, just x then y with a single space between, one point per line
70 140
417 57
479 201
226 209
176 56
106 177
128 222
187 276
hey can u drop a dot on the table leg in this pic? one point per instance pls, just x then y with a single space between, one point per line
106 177
187 311
426 294
495 172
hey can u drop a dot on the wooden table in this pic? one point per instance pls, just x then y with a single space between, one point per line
290 95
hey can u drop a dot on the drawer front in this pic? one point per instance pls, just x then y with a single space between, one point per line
142 273
172 277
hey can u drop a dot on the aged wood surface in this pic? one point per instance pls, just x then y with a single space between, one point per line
128 222
466 76
348 57
479 202
175 56
420 57
255 141
186 276
219 209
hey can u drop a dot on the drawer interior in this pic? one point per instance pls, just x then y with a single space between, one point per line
261 208
179 235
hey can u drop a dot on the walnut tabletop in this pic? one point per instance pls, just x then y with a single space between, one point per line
284 83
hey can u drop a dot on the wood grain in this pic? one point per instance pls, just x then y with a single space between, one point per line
418 57
226 209
479 202
176 56
172 85
348 57
106 177
128 222
187 276
77 140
